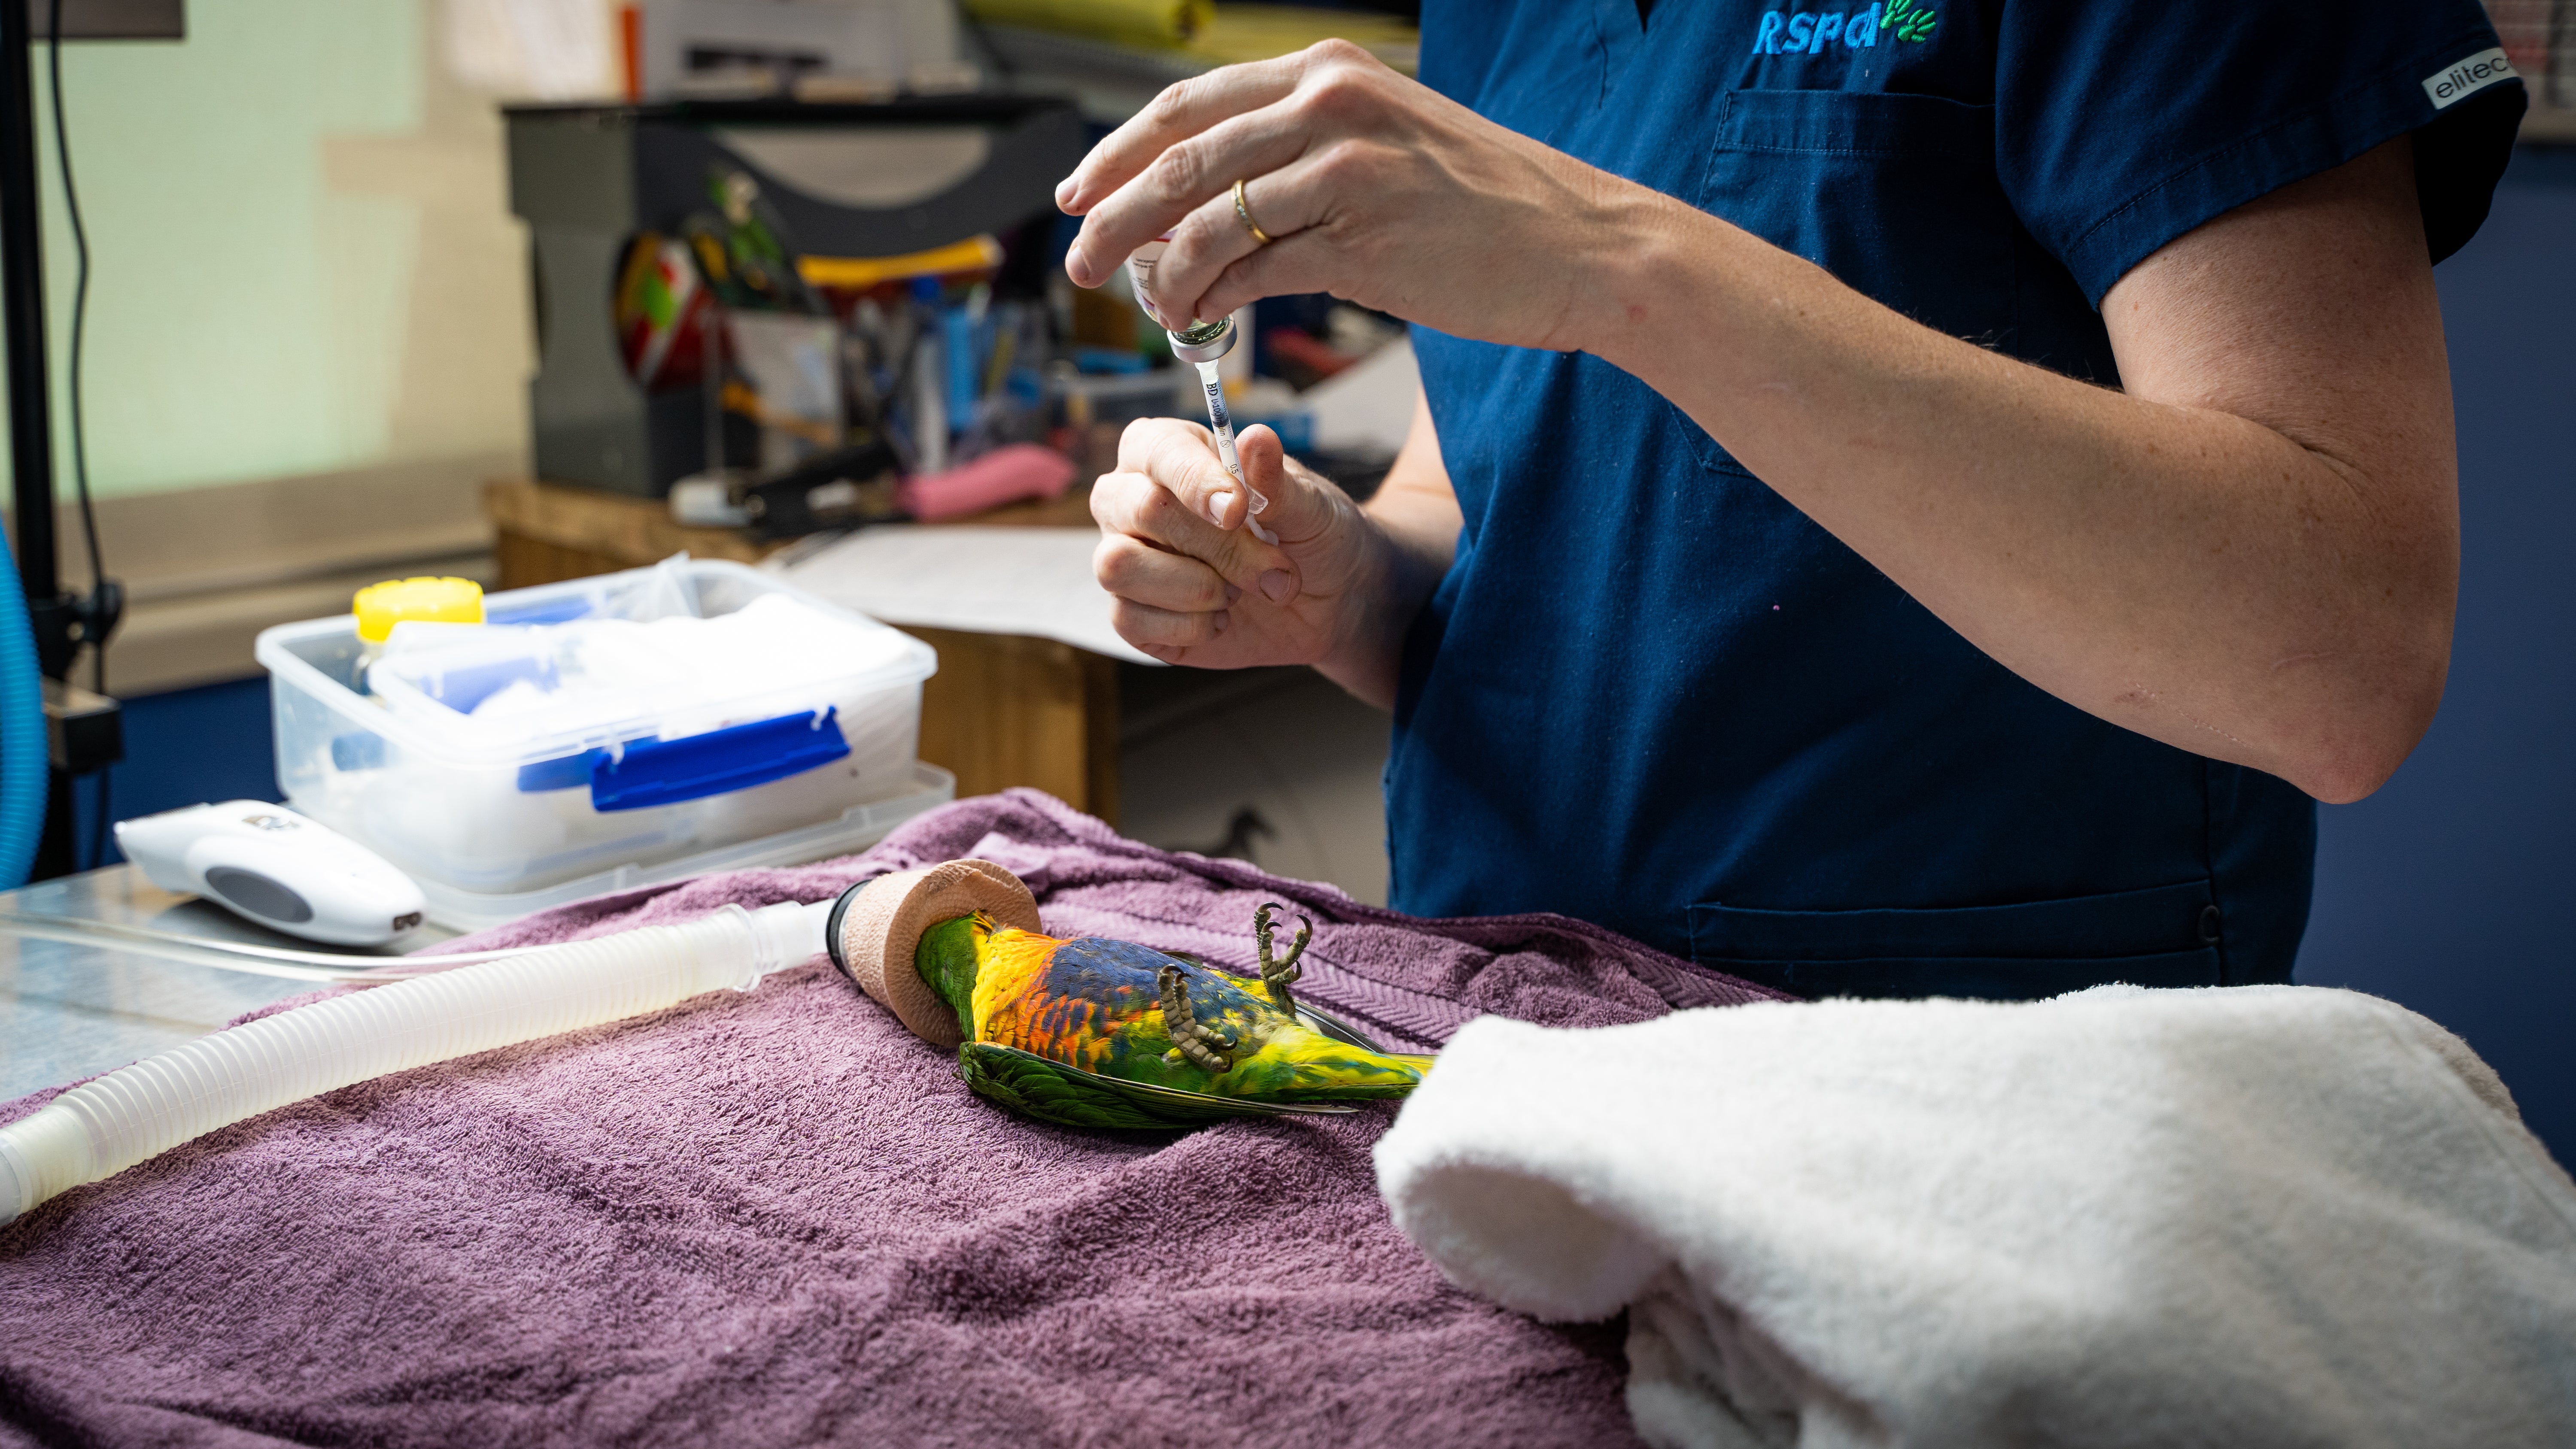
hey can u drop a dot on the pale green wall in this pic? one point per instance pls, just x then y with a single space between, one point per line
300 260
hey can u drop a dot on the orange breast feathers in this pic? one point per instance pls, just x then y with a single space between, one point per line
1023 1000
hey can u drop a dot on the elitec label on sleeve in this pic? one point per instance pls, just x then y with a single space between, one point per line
2478 72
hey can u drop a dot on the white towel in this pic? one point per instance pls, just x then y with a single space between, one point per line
2248 1217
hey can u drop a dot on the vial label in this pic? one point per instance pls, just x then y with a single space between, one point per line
1140 273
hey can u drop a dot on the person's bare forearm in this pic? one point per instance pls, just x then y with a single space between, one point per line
2278 595
1415 521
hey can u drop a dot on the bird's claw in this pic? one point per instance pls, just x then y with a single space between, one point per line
1208 1048
1279 975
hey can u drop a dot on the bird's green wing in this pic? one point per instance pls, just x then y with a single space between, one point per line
1030 1084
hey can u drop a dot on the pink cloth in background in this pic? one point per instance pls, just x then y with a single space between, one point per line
1004 475
780 1218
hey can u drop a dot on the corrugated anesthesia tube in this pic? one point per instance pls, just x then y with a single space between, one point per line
107 1125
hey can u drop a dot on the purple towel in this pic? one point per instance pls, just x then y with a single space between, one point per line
780 1218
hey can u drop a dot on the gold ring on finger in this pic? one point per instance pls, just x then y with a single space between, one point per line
1243 213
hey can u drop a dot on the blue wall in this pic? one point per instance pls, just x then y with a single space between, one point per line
185 748
2437 892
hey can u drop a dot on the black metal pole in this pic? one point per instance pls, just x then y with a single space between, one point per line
31 421
22 292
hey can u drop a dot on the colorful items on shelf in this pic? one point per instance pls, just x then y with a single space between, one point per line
844 391
662 313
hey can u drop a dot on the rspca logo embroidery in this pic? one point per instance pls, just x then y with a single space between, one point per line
1802 33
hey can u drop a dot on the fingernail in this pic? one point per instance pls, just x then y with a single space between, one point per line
1276 586
1222 620
1232 593
1064 191
1216 507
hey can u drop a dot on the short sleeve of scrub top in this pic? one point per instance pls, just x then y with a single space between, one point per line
1651 694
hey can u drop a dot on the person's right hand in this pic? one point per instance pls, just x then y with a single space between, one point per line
1368 185
1194 586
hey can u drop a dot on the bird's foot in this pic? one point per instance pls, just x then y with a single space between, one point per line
1208 1048
1278 975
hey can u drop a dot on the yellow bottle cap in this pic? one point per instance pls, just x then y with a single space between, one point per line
380 607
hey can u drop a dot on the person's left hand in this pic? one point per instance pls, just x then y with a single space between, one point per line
1373 187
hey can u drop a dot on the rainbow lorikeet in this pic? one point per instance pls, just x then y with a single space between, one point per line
1100 1033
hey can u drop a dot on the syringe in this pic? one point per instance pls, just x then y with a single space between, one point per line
1202 344
1222 424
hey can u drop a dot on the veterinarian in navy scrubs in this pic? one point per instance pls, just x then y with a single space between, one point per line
1911 497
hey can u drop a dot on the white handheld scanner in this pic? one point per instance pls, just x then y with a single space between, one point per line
268 864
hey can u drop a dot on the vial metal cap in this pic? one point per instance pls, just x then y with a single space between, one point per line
1204 344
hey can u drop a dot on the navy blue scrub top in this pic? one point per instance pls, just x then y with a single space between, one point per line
1651 694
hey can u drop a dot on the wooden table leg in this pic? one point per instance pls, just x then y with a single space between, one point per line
1007 709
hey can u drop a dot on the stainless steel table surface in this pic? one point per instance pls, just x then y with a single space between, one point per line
68 1012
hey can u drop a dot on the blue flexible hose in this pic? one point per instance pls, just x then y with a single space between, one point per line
26 765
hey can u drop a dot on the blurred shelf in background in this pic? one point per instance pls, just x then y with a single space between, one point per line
1110 71
2540 39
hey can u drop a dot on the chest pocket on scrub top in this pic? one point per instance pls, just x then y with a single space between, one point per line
1894 194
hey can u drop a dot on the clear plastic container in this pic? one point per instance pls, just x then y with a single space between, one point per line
852 831
476 800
